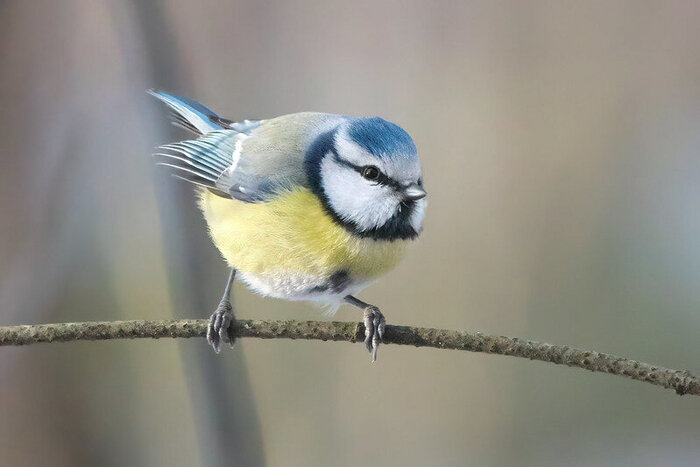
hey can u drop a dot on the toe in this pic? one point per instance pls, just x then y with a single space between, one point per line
215 342
375 344
219 324
381 327
213 332
224 329
374 329
368 342
369 329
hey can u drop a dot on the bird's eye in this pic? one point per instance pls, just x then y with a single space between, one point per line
371 172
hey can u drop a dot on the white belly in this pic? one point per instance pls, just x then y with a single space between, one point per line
293 286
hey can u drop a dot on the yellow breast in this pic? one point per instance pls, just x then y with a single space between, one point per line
292 233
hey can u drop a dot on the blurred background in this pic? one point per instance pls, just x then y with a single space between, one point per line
560 145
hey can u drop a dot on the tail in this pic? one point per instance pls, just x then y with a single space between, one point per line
190 114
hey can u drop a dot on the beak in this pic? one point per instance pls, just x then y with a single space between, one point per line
414 192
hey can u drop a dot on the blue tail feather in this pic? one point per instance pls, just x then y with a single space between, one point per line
189 113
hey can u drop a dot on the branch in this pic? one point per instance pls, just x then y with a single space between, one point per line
680 380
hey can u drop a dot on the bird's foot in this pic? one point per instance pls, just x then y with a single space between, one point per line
374 329
219 325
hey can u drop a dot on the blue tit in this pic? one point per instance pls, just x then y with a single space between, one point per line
307 206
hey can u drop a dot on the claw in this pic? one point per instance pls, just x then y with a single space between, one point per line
219 323
375 323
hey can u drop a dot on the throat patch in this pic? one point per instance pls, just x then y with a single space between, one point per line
398 227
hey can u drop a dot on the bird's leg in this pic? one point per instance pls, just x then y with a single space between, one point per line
220 320
374 324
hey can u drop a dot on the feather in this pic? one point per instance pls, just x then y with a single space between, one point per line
201 162
189 113
207 157
179 120
202 185
252 160
191 162
196 173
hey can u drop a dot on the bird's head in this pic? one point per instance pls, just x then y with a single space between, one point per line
367 173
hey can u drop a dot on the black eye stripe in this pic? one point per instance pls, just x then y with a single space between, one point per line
386 180
383 178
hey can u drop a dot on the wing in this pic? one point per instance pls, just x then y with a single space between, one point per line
200 161
205 160
270 158
249 161
219 162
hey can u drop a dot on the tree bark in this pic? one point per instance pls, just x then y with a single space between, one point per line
682 381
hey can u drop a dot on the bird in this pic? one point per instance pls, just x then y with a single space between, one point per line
307 206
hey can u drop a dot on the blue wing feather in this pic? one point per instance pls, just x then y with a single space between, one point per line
202 161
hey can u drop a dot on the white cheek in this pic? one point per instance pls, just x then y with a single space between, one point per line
355 199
